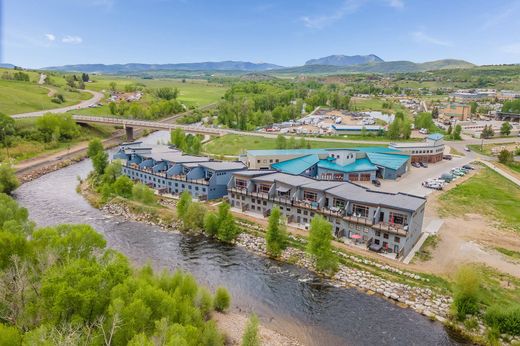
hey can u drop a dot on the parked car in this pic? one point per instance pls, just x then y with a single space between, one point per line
424 164
467 149
376 182
447 157
416 165
432 185
457 172
447 177
468 167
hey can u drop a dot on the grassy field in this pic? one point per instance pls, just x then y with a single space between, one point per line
20 97
375 104
486 193
25 149
192 92
235 144
486 149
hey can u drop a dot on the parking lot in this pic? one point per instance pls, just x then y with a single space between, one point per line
412 181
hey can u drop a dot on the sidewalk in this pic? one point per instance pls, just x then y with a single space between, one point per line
501 172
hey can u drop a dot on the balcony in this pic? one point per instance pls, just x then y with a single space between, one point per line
164 175
393 228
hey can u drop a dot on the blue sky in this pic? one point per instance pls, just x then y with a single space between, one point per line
38 33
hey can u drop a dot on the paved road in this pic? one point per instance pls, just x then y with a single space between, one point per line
96 97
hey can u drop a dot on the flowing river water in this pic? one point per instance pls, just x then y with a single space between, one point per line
287 298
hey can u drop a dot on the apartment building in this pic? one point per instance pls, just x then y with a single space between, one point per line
170 171
380 221
352 164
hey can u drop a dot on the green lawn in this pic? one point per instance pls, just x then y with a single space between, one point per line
486 193
486 148
20 97
375 104
192 92
235 144
510 253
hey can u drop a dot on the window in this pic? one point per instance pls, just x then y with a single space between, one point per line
385 235
288 209
397 239
271 161
240 183
305 220
265 202
360 210
378 233
310 196
376 241
264 188
257 161
398 218
203 189
298 211
339 203
305 212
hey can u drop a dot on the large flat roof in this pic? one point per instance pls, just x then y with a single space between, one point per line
297 165
222 165
360 165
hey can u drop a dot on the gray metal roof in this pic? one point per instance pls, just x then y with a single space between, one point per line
322 185
253 172
293 180
360 194
223 166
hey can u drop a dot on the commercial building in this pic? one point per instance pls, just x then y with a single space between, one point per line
170 171
380 221
431 150
352 164
454 111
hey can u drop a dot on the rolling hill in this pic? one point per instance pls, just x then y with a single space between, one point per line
345 60
197 66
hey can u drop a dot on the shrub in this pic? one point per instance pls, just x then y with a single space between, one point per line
251 336
123 186
505 319
211 224
10 335
222 299
204 301
8 180
320 238
143 194
467 291
183 204
276 235
194 217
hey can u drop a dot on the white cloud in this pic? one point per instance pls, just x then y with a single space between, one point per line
50 37
421 37
503 15
347 7
71 39
395 3
513 48
319 22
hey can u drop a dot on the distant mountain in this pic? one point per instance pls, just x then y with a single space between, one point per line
2 65
197 66
378 67
345 60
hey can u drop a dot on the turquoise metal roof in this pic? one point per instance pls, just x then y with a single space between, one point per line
435 136
297 165
392 161
361 165
377 150
285 152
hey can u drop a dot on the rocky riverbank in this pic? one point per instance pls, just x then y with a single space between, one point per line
423 300
31 175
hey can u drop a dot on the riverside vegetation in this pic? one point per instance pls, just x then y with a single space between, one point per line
471 304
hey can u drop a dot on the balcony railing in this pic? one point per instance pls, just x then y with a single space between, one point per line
174 178
391 228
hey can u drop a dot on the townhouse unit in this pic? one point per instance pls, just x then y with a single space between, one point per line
431 150
352 164
170 171
380 221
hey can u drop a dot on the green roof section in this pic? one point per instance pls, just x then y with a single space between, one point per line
361 165
392 161
296 166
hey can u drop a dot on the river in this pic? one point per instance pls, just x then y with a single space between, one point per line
287 298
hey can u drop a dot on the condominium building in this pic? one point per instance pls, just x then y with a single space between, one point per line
380 221
352 164
170 171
